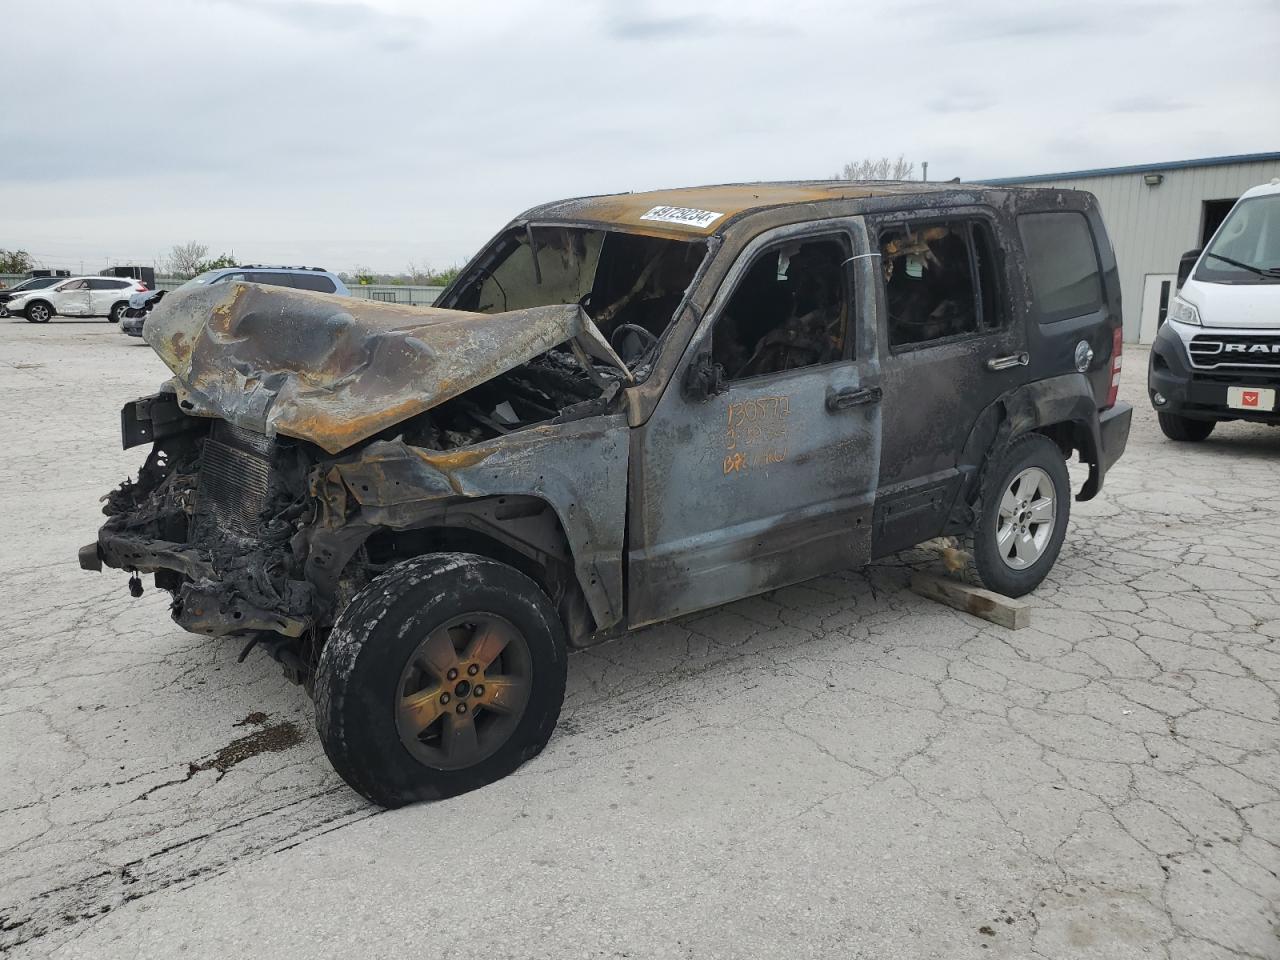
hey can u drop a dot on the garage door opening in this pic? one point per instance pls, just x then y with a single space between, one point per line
1215 211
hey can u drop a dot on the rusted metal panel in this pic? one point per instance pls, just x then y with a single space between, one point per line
334 370
672 213
579 468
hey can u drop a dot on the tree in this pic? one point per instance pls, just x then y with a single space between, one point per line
882 169
187 259
218 263
442 278
15 261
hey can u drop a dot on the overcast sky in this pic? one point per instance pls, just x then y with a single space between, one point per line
382 132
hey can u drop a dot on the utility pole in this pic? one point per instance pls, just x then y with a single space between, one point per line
924 171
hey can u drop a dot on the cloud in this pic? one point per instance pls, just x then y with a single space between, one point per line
961 102
380 131
1148 104
330 16
691 27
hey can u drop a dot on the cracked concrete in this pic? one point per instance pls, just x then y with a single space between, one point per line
837 769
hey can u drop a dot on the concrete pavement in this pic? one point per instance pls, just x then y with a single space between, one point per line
839 769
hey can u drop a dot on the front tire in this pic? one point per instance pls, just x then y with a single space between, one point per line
38 312
1185 429
444 674
1022 517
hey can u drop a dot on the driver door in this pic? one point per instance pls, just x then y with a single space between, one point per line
768 477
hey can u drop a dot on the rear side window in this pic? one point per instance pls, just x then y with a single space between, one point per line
299 281
313 281
939 281
1063 264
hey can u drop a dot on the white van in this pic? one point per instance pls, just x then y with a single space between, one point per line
1217 356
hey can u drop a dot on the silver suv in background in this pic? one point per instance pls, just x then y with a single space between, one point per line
316 279
77 297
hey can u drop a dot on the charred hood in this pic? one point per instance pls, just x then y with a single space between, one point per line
337 370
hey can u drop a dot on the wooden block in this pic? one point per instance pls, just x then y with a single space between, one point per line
1005 611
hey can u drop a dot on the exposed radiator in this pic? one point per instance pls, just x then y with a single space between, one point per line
234 473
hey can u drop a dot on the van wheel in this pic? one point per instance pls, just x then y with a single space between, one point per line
444 674
1183 428
1022 519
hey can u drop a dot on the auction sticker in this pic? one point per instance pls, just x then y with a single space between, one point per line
688 216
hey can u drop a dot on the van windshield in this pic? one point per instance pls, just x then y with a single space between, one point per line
1246 248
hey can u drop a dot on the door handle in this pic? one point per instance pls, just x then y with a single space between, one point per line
852 397
1009 362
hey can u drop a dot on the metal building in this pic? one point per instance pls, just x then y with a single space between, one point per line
1154 214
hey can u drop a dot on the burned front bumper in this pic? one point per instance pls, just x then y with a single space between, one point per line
203 602
213 516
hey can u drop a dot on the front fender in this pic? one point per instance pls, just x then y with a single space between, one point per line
578 468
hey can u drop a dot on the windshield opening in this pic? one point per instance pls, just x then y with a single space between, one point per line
630 285
1246 248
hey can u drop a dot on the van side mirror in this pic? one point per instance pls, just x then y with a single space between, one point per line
703 378
1187 264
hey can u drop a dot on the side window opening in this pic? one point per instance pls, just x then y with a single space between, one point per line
1061 263
929 276
791 309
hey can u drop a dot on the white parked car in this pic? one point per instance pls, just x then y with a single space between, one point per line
78 297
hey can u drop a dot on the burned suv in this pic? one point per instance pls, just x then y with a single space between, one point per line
626 408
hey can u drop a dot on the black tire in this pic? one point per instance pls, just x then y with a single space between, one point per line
359 681
986 563
1185 429
117 311
38 312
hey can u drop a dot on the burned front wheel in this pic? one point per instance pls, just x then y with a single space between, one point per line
444 674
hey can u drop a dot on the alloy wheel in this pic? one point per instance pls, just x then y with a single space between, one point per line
463 691
1024 526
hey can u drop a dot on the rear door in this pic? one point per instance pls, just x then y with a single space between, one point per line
950 349
104 293
771 480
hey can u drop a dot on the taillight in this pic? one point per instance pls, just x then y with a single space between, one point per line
141 287
1117 363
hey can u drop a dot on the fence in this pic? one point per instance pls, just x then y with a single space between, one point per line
382 292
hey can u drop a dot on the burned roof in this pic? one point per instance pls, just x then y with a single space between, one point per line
702 211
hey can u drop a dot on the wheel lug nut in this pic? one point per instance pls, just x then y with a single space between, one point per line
452 674
478 690
444 698
473 670
462 708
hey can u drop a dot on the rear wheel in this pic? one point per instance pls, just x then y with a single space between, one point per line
1184 428
444 674
117 311
39 312
1022 519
